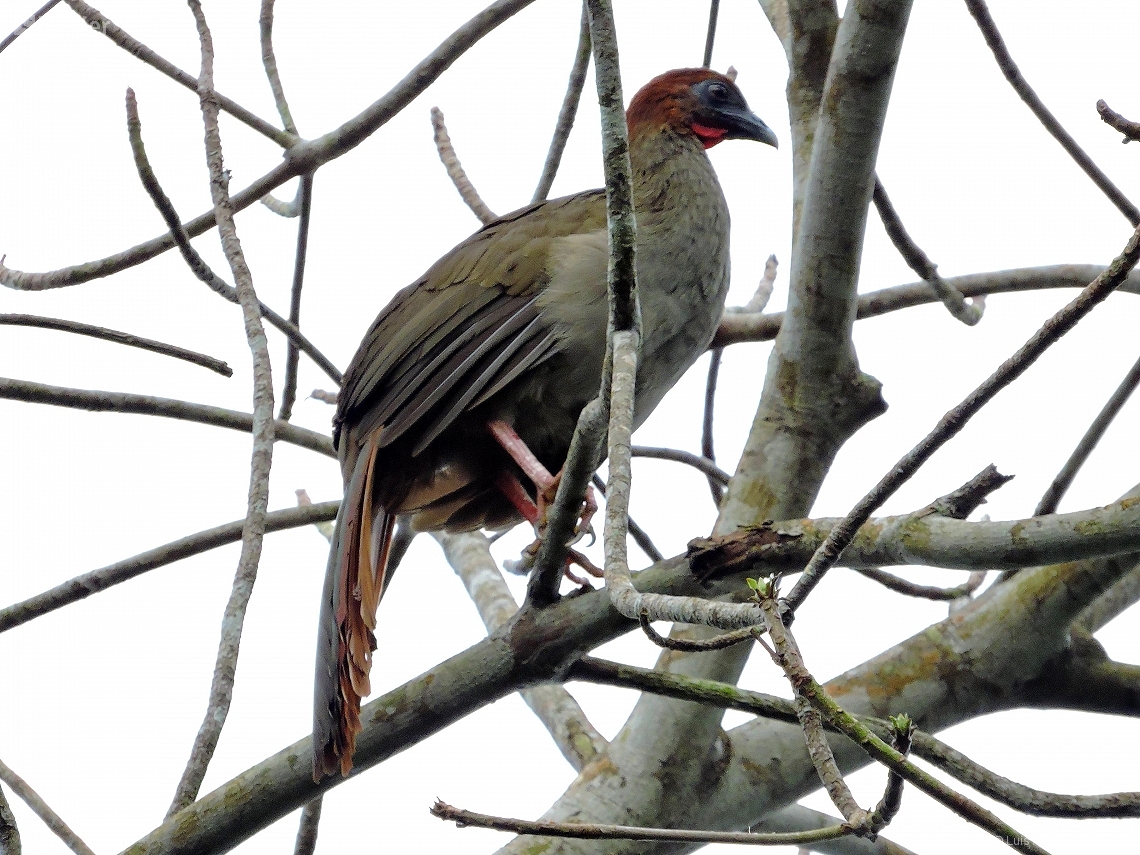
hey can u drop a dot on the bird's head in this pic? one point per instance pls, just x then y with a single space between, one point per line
697 102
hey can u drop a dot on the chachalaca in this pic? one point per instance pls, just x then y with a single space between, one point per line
496 349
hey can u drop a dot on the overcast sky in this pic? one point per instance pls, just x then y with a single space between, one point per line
100 701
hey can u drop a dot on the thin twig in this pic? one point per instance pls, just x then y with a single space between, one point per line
786 654
93 582
292 354
1009 68
953 422
710 469
684 645
194 261
40 808
737 327
639 535
708 450
287 210
450 161
117 337
888 807
591 831
880 751
710 35
1064 479
928 747
924 592
10 843
20 30
308 826
305 156
100 23
253 535
147 405
1113 119
567 112
917 260
265 20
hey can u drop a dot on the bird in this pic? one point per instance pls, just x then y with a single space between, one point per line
464 393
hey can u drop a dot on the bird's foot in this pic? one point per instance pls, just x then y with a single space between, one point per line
586 513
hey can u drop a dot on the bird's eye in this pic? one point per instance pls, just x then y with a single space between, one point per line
718 92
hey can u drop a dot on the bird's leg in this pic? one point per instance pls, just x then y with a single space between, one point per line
516 494
546 485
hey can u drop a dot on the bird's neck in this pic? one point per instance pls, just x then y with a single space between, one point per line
671 172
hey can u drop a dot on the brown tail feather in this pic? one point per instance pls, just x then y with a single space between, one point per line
354 583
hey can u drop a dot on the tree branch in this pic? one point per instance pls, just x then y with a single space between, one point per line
147 405
261 457
292 354
1009 68
85 585
592 831
216 365
194 261
41 809
568 110
951 423
917 260
736 328
450 160
302 157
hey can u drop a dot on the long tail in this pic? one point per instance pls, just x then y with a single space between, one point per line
354 582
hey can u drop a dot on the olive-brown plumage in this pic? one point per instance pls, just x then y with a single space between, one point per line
510 326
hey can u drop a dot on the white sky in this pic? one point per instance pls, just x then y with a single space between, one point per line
100 701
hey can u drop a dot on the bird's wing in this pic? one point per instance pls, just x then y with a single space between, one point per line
464 330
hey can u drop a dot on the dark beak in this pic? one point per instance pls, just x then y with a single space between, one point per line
742 124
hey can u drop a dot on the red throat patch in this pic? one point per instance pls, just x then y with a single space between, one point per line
708 136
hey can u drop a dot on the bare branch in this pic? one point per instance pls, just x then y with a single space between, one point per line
450 160
706 466
194 261
40 808
292 355
95 581
253 534
639 535
98 22
127 339
147 405
1018 796
265 20
917 261
568 110
924 592
737 327
304 156
1009 68
685 645
1096 430
710 36
1130 129
590 831
894 760
708 450
11 37
951 423
786 654
307 828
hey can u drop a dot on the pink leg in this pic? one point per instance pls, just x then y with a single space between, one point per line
513 444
